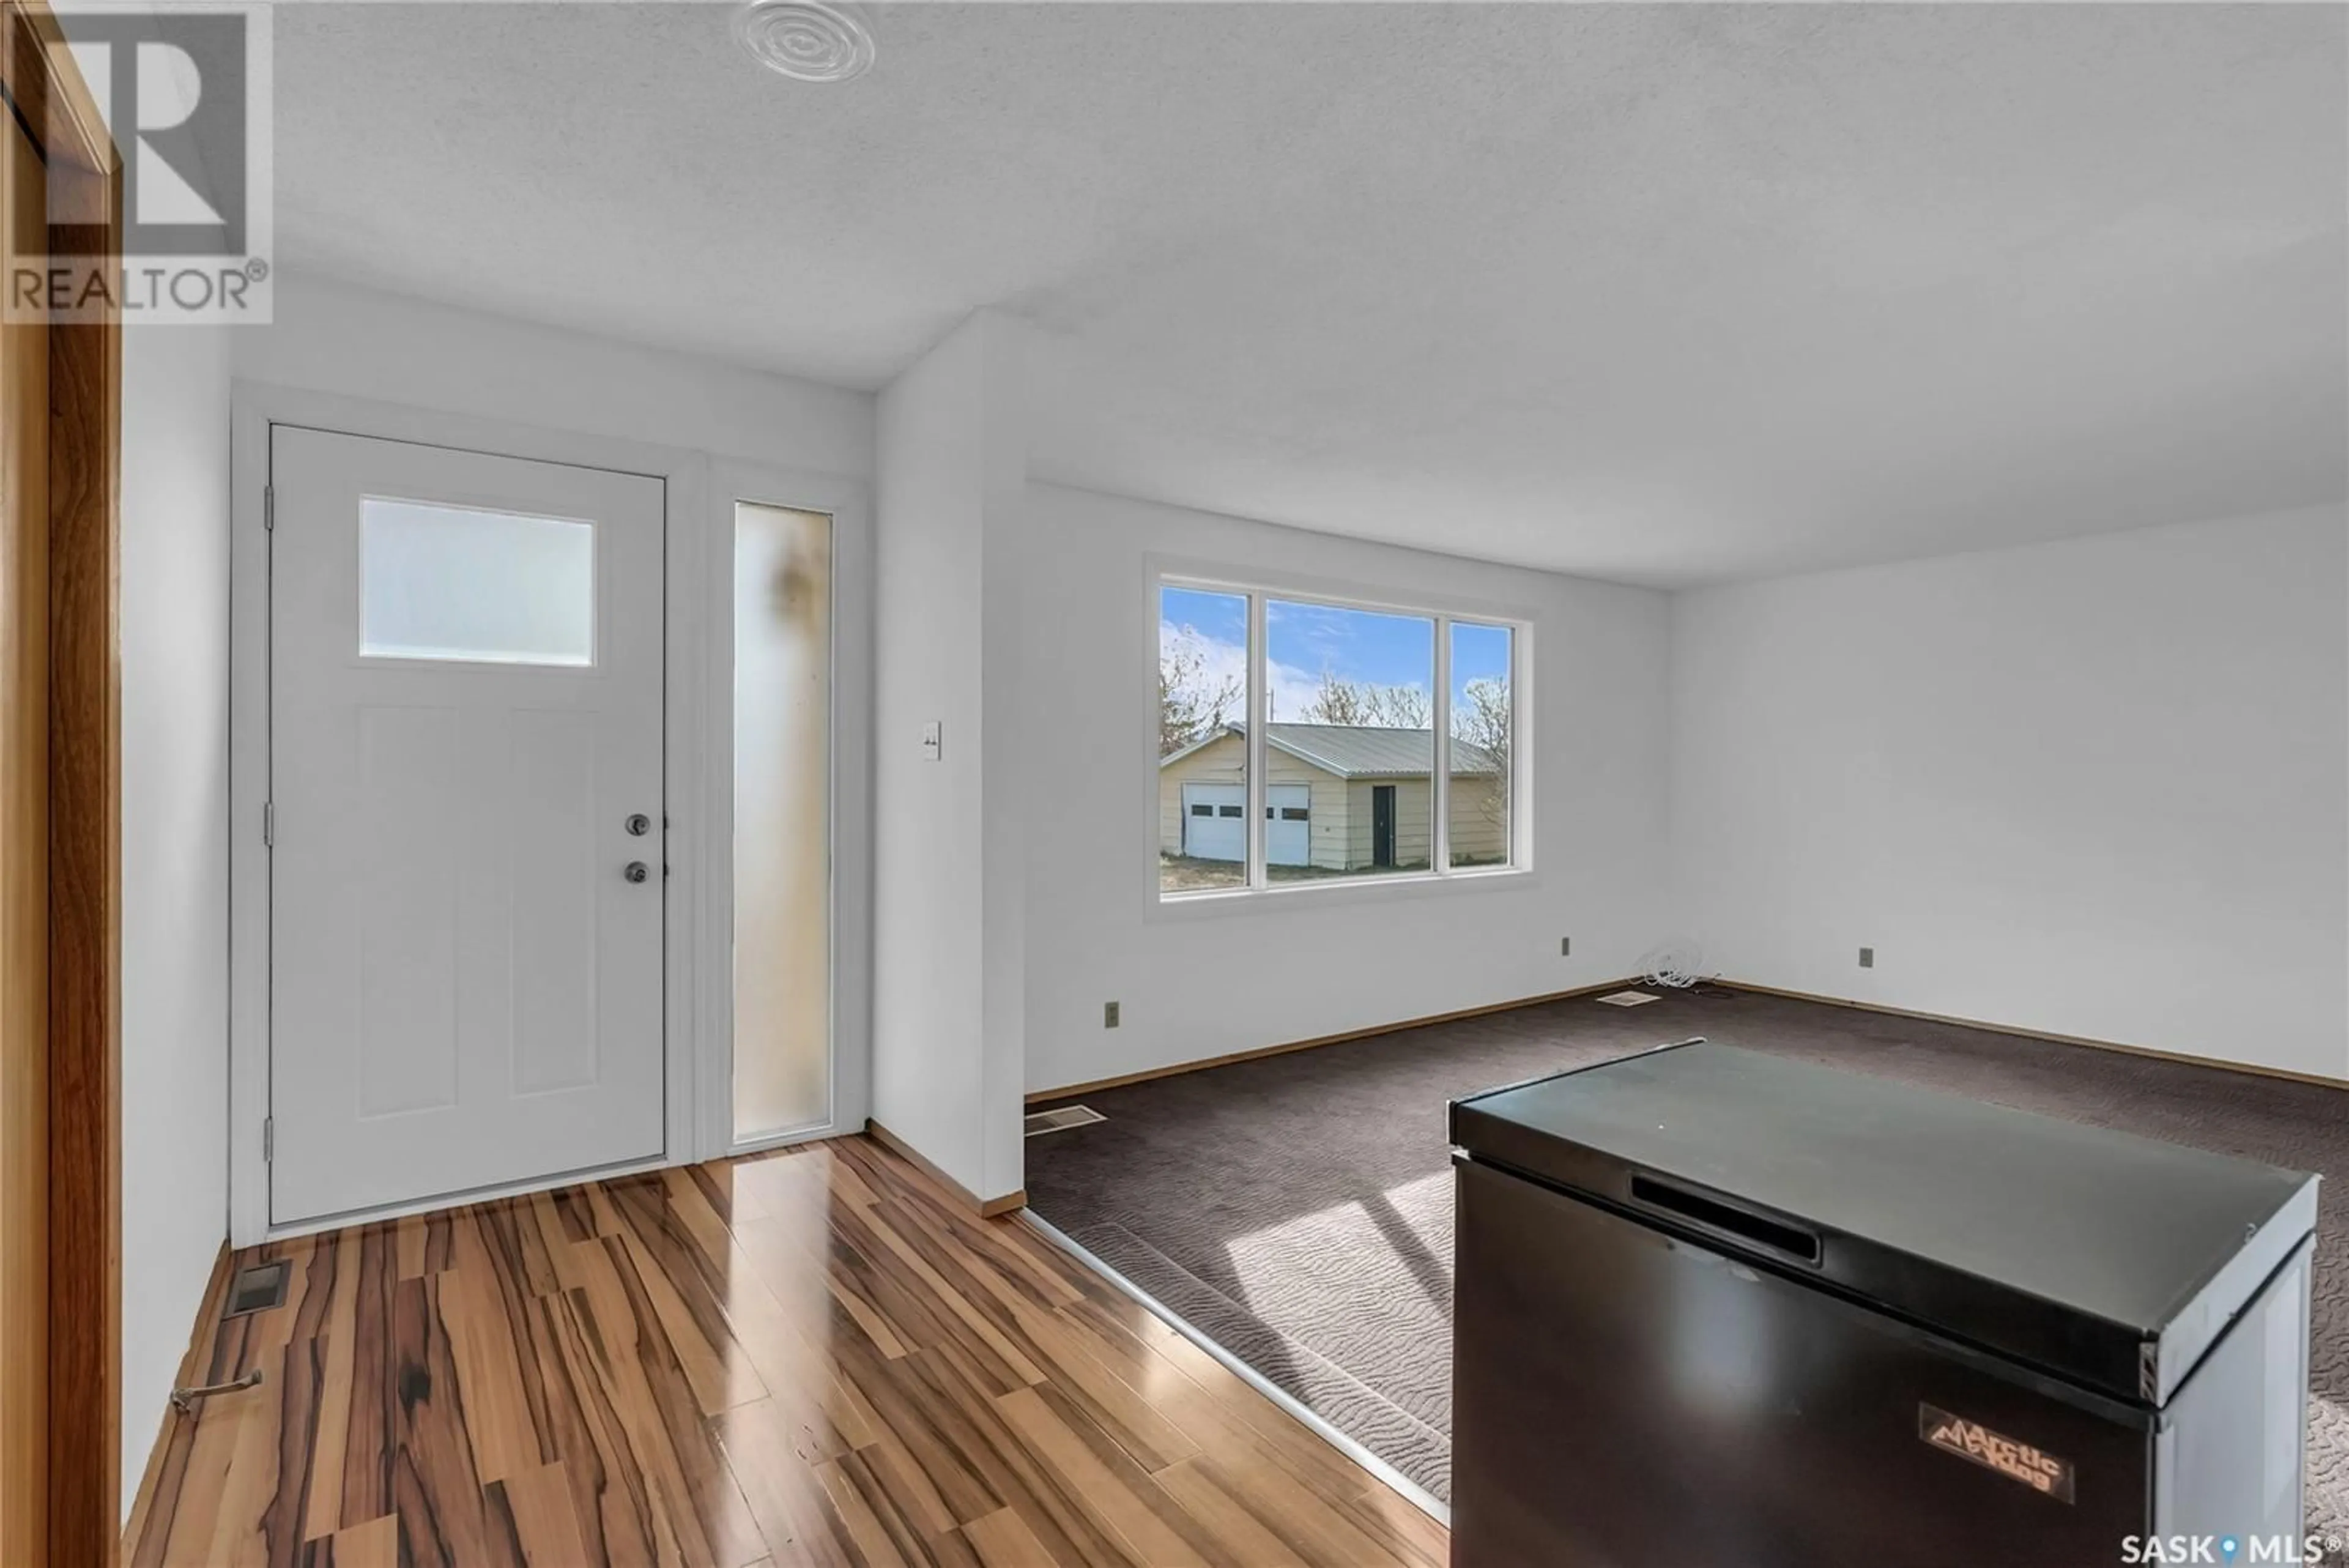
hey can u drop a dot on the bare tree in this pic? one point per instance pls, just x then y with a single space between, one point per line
1481 719
1193 701
1358 703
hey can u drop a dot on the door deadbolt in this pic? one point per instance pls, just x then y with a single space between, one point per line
638 825
636 871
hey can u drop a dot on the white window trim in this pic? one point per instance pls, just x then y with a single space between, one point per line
1259 894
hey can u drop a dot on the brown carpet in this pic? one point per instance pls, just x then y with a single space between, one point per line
1298 1207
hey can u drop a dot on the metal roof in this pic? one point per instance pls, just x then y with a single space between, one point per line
1360 750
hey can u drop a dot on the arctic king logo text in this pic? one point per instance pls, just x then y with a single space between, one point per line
1970 1440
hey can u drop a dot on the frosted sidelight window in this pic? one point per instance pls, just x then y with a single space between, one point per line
484 588
783 820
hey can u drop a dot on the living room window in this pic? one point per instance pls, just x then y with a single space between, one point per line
1311 742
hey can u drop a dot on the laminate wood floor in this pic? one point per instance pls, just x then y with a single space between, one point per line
814 1357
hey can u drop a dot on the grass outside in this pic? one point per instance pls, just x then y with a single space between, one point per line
1187 874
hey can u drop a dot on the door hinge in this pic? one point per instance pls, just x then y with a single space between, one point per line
269 508
268 1139
269 824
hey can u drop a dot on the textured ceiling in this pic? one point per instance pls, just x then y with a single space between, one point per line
1661 293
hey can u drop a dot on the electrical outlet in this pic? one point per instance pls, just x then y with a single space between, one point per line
1566 946
1109 1015
1868 958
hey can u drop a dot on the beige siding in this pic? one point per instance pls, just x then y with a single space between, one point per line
1328 818
1480 823
1342 810
1473 833
1361 823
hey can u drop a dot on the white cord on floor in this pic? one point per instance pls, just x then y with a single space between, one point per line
1675 965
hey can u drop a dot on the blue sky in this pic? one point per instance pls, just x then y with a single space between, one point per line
1303 640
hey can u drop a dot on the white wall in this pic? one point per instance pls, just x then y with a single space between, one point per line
948 980
1263 973
2098 788
337 337
174 606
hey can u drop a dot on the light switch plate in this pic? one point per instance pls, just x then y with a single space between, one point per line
933 741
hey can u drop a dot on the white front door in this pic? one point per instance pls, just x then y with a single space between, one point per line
465 800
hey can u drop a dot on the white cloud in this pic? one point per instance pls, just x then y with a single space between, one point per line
1293 689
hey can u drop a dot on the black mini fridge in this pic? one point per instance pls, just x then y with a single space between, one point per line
1719 1309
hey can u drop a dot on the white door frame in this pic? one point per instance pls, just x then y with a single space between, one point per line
851 846
699 750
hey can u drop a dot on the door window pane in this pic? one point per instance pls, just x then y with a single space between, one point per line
486 588
1203 661
1483 711
783 820
1352 732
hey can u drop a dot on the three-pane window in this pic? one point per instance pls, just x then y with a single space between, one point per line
1379 737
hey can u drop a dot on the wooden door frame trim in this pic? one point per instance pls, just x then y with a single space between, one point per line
55 107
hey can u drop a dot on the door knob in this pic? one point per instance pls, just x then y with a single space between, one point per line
638 825
636 871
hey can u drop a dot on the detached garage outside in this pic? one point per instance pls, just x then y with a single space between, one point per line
1340 800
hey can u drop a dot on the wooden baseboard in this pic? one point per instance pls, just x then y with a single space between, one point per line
1045 1097
215 1298
986 1208
2018 1031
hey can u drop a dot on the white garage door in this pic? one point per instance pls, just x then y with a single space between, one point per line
1215 823
1288 824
